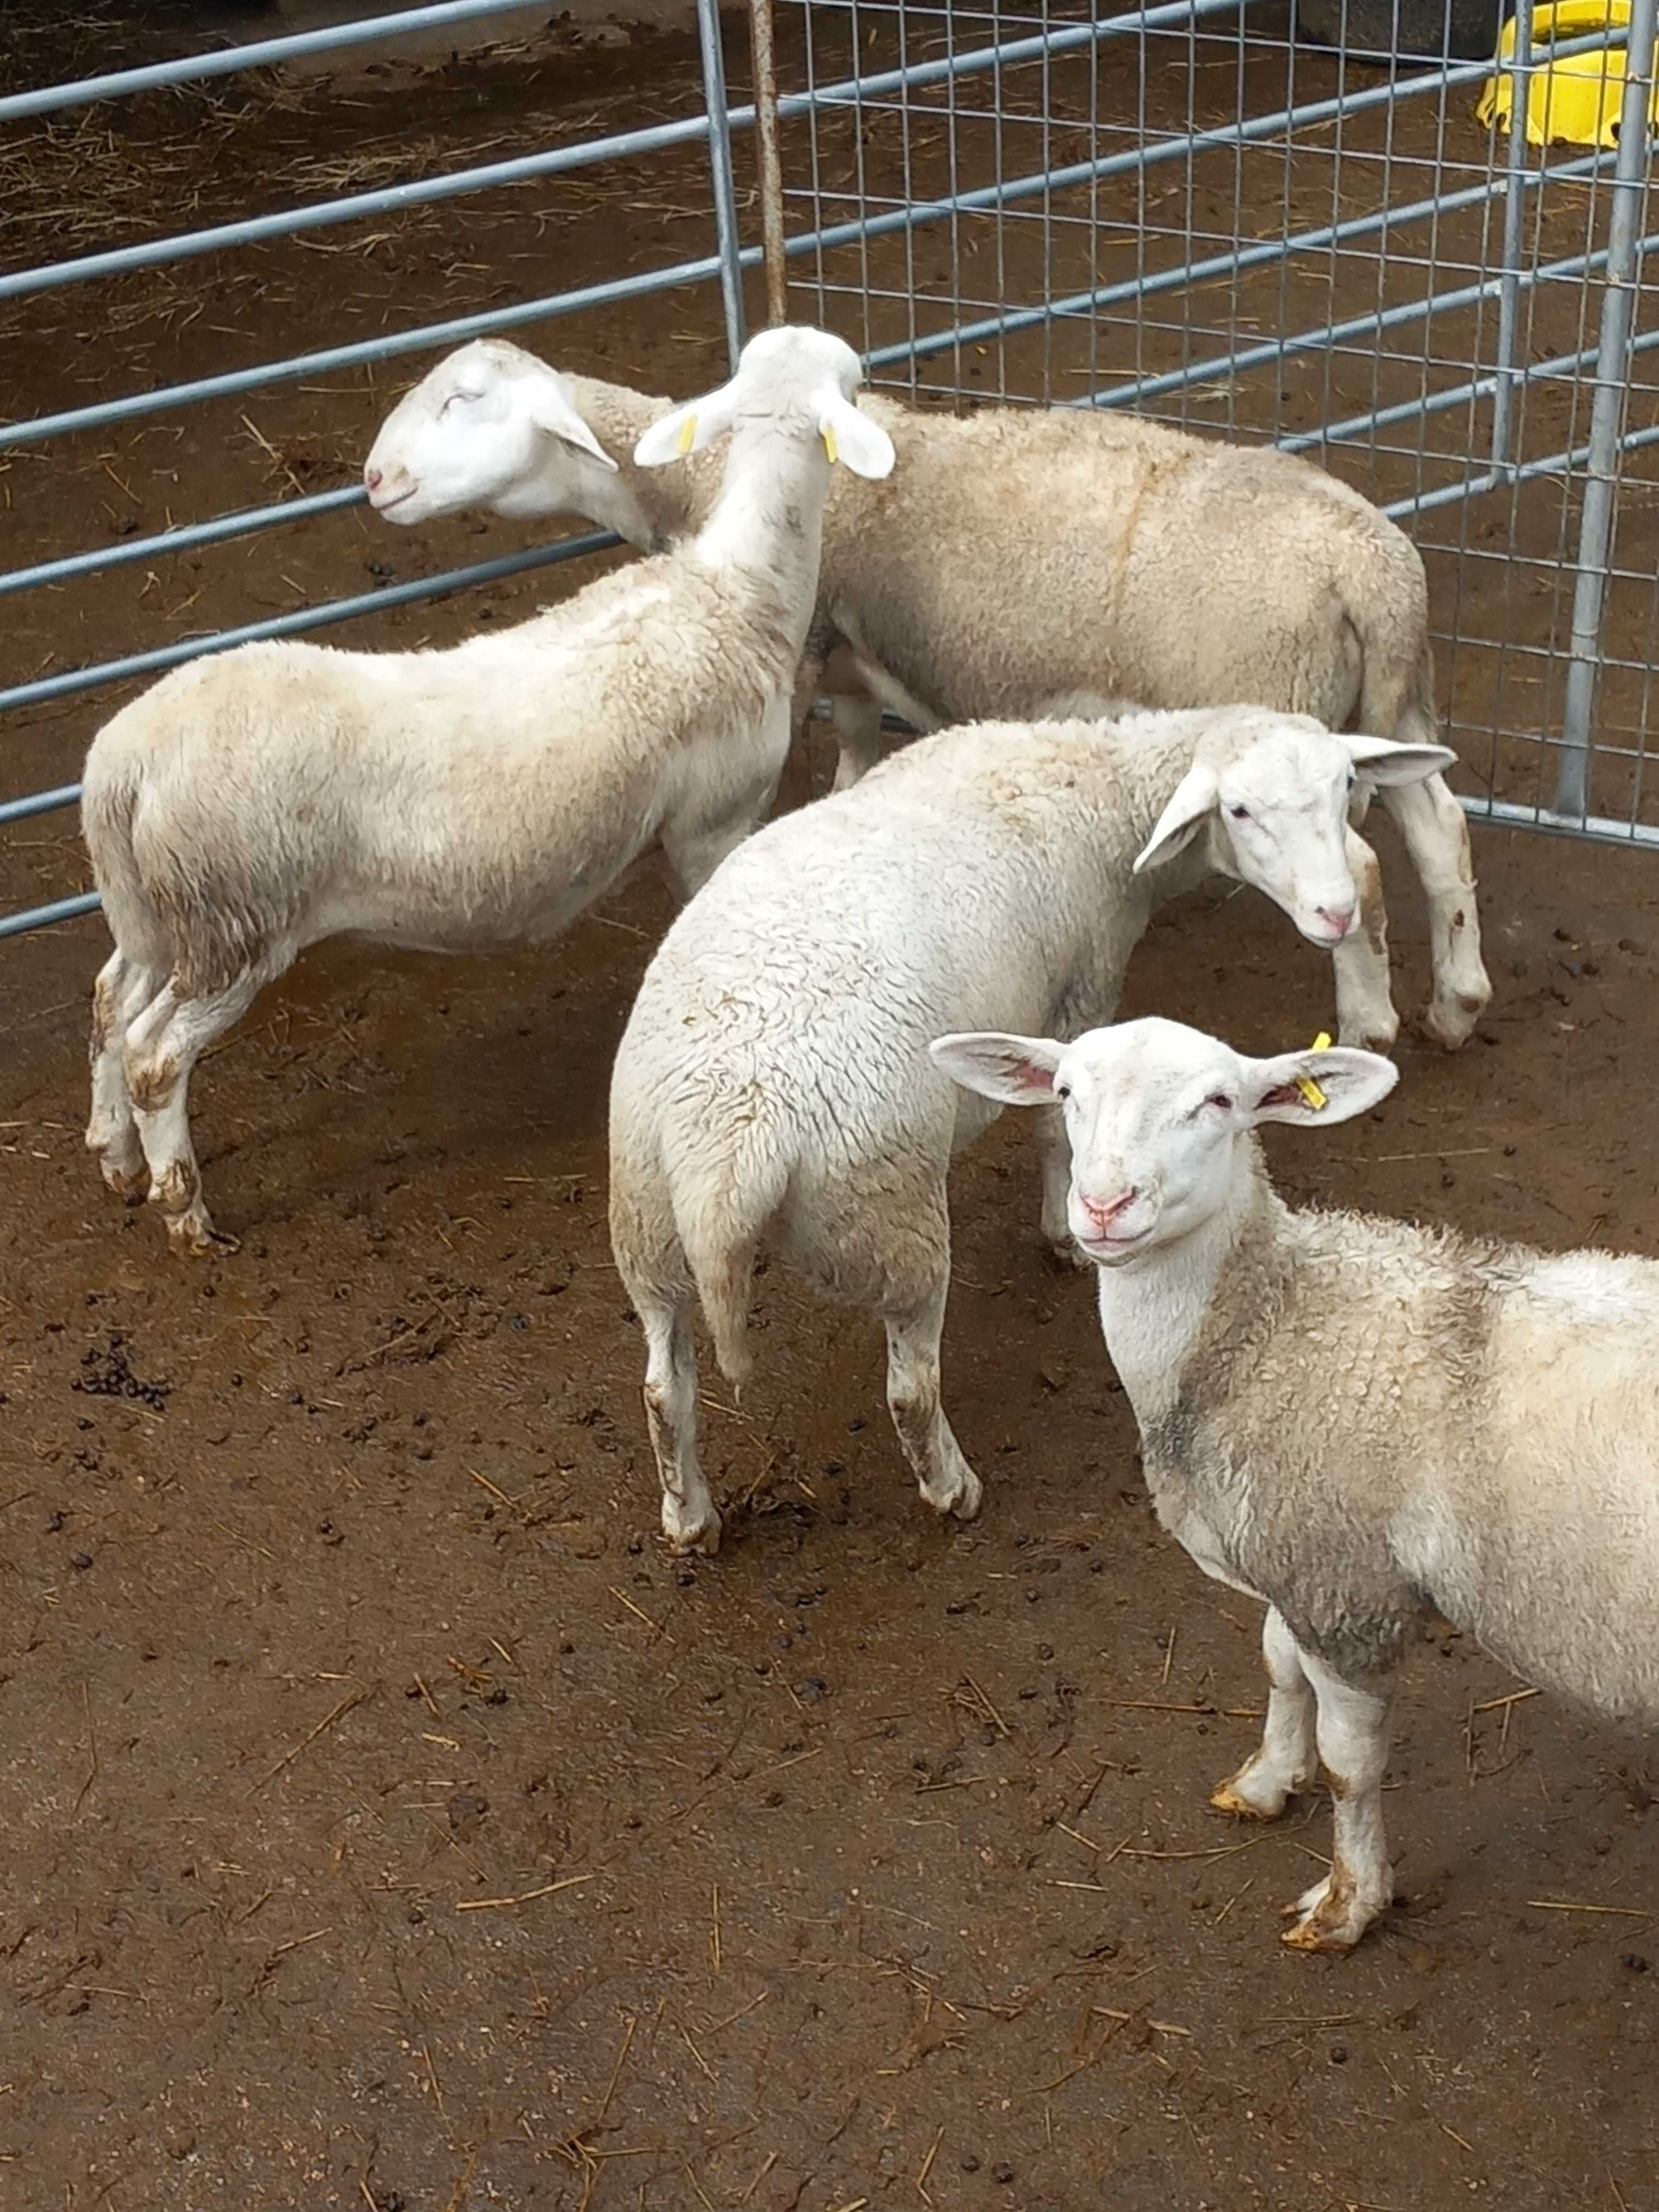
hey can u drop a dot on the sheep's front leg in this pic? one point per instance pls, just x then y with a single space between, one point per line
697 837
690 1520
1437 835
1285 1763
162 1047
1365 1002
1352 1731
944 1477
122 992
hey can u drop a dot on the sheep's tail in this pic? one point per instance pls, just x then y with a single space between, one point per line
110 792
720 1218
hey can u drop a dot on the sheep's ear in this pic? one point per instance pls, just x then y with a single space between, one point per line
689 428
552 412
1385 762
1331 1085
1193 798
1015 1071
853 438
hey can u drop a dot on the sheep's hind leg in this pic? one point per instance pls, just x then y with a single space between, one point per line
162 1047
690 1520
1285 1763
946 1481
856 721
1436 836
1353 1747
122 992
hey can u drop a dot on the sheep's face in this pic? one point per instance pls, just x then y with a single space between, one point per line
1271 795
1154 1112
489 427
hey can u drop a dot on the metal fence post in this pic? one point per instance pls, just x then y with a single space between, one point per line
1606 410
720 166
1515 210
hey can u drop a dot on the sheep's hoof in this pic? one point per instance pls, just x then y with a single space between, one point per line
1330 1917
197 1240
1231 1797
1450 1023
962 1500
686 1536
130 1184
1065 1257
1381 1040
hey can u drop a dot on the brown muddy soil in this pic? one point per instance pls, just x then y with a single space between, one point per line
389 1822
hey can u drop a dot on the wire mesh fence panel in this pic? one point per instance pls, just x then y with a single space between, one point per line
184 314
1198 213
1191 209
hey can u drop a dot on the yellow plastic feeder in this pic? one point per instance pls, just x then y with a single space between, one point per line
1578 98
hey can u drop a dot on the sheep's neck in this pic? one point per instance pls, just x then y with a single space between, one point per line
769 517
1152 1310
650 507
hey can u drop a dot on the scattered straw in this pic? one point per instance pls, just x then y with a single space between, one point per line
337 1713
1618 1912
524 1897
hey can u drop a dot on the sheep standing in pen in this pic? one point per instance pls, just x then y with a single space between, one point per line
774 1079
1360 1422
250 805
1018 554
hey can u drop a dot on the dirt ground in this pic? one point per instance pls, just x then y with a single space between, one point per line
390 1822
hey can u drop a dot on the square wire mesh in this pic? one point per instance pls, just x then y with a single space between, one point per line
1198 213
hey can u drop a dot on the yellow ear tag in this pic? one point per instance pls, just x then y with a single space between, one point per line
1305 1084
688 432
830 446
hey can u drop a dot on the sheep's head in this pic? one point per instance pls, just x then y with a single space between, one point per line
794 376
1271 793
1155 1112
488 428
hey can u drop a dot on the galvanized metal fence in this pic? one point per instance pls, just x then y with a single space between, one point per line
1185 208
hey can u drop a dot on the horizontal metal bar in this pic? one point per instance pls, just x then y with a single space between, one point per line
38 802
1353 427
1330 334
250 229
1218 268
1503 814
454 332
242 523
305 618
1552 464
1603 828
37 917
264 53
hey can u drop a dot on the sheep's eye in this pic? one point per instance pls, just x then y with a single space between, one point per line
1239 813
467 397
1220 1098
1062 1090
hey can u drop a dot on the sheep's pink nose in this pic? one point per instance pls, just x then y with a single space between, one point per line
1103 1211
1337 919
372 479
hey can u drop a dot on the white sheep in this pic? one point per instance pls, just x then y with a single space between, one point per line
250 805
1360 1422
773 1080
1018 553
